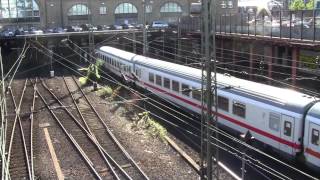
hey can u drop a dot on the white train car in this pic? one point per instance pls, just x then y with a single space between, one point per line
284 119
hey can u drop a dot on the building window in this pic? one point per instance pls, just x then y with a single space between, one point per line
171 7
166 83
274 122
196 94
78 9
185 90
239 109
148 9
223 4
103 10
230 4
223 103
315 137
151 77
158 80
19 9
125 8
175 86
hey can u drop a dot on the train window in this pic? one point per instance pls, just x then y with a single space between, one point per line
287 128
185 89
196 94
138 72
315 137
274 121
223 103
166 83
175 86
151 77
239 109
158 80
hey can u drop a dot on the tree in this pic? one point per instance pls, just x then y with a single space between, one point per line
302 5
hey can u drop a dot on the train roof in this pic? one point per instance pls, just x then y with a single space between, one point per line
315 111
278 95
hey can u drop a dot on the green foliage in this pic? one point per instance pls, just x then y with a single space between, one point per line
83 81
99 63
309 61
153 127
115 92
105 91
300 5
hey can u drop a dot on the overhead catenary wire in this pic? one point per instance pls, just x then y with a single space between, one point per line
265 154
277 81
166 120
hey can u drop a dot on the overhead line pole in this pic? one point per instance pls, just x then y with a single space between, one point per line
209 95
208 92
145 35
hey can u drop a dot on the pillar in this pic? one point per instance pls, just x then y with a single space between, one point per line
251 59
234 48
221 50
295 60
134 43
268 52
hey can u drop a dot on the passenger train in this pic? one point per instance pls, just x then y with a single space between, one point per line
286 120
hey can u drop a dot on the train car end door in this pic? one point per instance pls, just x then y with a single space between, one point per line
287 133
313 147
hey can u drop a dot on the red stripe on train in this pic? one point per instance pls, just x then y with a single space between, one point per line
313 153
259 131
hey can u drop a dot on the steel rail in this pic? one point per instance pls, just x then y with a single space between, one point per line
31 126
76 145
17 117
94 140
110 133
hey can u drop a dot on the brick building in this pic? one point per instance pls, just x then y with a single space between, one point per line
60 13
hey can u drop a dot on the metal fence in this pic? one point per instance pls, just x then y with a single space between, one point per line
302 25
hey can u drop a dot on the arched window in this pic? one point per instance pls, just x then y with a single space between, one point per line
78 9
171 7
125 8
19 8
149 9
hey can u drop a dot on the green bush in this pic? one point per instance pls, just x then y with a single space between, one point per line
105 91
300 5
83 81
153 127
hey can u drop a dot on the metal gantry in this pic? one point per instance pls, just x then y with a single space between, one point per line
209 91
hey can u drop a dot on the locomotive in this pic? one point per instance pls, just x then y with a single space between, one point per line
284 119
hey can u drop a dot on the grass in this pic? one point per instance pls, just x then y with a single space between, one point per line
105 91
154 128
83 81
115 92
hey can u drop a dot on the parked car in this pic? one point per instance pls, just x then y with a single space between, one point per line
58 30
160 24
8 33
36 31
77 28
115 27
69 29
127 26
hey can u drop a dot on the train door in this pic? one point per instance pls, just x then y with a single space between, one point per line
287 133
313 147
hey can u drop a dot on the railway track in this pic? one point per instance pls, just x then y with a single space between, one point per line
89 135
19 132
